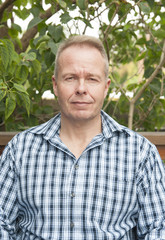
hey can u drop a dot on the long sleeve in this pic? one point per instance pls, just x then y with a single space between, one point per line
4 234
8 198
151 197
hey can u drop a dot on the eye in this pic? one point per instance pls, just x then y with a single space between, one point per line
93 80
69 79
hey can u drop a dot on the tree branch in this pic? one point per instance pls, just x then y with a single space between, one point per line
5 5
140 92
145 114
30 33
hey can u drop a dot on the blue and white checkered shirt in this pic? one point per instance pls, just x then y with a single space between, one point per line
114 190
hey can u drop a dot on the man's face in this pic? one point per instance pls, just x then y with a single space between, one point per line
81 86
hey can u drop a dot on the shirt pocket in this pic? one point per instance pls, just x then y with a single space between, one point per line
115 199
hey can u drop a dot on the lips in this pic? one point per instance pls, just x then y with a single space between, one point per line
81 104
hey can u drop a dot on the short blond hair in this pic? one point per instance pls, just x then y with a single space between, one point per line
80 40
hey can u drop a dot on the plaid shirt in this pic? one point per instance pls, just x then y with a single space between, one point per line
114 190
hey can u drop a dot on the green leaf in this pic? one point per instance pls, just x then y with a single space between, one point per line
141 56
92 1
35 21
40 39
35 11
145 7
82 4
42 47
111 12
10 106
160 33
20 3
141 41
22 72
92 11
10 48
151 3
3 85
36 66
16 58
51 30
155 86
26 101
132 86
16 27
7 52
87 22
65 17
58 33
4 55
19 88
2 94
123 8
62 3
148 71
23 14
49 59
29 56
52 46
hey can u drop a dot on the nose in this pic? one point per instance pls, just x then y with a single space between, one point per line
81 87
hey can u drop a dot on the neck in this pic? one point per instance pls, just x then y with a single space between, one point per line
77 135
85 129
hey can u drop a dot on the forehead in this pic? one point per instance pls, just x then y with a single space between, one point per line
80 53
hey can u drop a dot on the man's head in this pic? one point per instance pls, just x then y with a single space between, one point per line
81 78
81 40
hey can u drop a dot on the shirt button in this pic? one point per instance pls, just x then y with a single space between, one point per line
72 195
71 224
76 166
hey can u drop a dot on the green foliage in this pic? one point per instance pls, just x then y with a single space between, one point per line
133 44
14 70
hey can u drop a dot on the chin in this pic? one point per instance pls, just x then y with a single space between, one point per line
83 116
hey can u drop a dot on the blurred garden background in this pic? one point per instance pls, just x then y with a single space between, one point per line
133 33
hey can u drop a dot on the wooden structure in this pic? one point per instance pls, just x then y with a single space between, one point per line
157 138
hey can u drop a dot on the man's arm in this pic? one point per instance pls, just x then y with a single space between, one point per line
8 198
3 233
151 197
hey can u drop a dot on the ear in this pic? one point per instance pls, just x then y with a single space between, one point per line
107 87
54 86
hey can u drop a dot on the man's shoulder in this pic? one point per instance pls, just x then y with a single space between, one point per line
43 128
49 128
110 127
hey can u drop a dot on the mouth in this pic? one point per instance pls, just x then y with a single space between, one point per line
81 104
77 102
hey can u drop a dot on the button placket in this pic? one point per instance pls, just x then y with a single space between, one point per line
72 225
76 166
73 194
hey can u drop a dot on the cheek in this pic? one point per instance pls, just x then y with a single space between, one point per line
64 94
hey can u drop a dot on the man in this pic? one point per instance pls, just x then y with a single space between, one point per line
81 175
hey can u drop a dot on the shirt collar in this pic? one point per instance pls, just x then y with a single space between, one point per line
110 127
51 128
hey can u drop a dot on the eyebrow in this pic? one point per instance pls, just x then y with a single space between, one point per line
75 75
93 75
67 74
